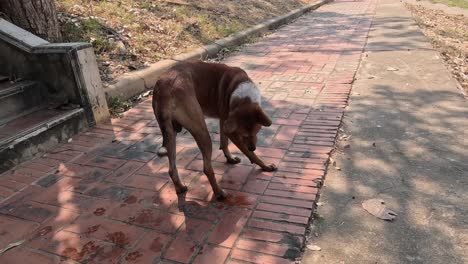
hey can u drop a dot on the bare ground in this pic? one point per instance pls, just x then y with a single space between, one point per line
449 35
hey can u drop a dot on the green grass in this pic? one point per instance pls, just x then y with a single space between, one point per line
456 3
89 30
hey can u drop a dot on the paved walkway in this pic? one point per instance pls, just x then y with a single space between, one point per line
106 198
407 124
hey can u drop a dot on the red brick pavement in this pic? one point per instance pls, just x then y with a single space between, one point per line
106 198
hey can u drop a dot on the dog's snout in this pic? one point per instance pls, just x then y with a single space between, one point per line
252 148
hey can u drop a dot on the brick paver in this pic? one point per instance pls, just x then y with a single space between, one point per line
106 198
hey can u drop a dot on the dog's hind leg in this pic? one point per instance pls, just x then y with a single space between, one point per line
193 120
169 139
176 127
224 145
164 118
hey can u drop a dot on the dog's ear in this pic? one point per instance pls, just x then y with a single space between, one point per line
230 125
263 119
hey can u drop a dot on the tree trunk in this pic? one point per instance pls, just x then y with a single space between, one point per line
37 16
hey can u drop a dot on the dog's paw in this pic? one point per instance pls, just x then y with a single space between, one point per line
221 195
162 152
234 160
271 167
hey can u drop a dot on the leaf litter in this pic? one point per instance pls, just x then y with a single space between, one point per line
377 208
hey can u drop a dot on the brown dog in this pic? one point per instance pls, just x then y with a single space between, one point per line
188 92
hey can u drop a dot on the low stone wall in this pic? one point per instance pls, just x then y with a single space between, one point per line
68 70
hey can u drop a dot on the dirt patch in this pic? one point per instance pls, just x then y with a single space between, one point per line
131 199
99 211
449 35
88 249
119 238
156 245
129 35
236 199
92 229
133 256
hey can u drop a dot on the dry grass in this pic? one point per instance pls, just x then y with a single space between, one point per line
131 34
449 35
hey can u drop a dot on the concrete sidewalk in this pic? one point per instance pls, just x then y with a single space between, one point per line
408 128
106 198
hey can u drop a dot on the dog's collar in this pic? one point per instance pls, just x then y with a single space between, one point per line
247 89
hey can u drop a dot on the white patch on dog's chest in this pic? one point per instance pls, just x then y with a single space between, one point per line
247 90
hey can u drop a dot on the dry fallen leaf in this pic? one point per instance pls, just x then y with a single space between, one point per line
377 208
314 247
12 245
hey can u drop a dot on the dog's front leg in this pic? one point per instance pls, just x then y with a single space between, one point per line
202 137
252 156
224 145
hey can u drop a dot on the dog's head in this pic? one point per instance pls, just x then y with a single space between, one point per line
244 122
